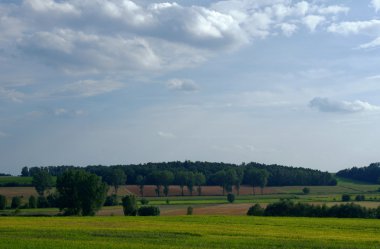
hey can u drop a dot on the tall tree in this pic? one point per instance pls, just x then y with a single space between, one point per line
80 192
252 174
167 178
190 182
230 179
25 172
263 179
199 180
181 179
42 180
140 180
117 178
239 179
220 179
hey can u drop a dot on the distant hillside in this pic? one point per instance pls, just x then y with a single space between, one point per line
370 174
278 175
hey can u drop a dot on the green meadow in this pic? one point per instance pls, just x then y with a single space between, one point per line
188 232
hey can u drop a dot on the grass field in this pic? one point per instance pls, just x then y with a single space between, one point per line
188 232
15 179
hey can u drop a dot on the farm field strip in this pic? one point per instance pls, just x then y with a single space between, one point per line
188 232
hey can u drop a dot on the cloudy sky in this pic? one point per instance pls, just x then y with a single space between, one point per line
119 81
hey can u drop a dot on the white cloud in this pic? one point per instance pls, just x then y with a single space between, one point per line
376 5
184 85
313 21
63 112
11 94
372 44
347 28
288 28
88 88
167 135
327 105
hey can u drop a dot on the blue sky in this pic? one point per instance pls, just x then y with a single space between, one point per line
114 82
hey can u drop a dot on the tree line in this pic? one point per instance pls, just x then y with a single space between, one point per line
291 209
370 174
277 175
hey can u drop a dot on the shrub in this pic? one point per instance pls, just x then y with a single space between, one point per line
129 205
167 201
42 202
52 200
144 201
3 202
306 190
255 210
32 202
148 211
230 197
346 197
111 200
189 210
360 198
16 202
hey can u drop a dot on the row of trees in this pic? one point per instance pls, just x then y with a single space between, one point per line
289 208
277 175
369 174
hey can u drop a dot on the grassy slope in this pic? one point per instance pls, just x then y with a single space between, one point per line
188 232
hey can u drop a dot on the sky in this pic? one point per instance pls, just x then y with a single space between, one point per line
88 82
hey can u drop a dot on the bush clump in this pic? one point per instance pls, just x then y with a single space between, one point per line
111 200
148 211
230 197
256 210
144 201
129 205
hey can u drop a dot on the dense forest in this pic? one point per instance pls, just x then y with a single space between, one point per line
370 174
275 175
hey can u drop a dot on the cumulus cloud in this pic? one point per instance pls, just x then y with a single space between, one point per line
128 38
313 21
184 85
376 5
356 27
328 105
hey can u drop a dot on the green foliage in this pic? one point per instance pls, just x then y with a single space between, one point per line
42 202
16 202
129 205
140 180
349 210
117 177
199 180
306 190
148 211
42 180
189 210
25 172
144 201
3 202
111 200
255 210
360 198
80 192
230 197
32 202
346 197
162 178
